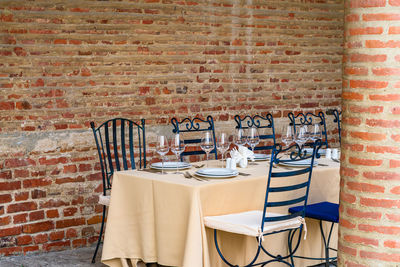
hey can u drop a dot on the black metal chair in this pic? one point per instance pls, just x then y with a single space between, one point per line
337 114
310 119
189 126
260 223
117 150
260 122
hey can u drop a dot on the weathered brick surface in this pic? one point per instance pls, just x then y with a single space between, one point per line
369 221
66 63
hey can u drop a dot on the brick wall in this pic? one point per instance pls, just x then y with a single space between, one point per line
66 63
369 201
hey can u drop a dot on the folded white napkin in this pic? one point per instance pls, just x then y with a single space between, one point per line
241 155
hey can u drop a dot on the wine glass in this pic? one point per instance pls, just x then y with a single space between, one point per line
207 143
301 136
287 135
315 133
223 145
240 137
253 138
162 148
177 147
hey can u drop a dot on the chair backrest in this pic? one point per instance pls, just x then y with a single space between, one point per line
191 126
337 114
282 189
116 146
260 122
309 119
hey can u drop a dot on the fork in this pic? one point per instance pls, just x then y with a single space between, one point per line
189 176
198 166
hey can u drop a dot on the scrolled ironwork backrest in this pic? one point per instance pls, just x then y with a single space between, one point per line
309 119
280 182
116 146
260 122
337 118
191 125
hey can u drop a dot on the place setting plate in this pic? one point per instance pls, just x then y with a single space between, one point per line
309 151
261 157
171 165
216 173
298 163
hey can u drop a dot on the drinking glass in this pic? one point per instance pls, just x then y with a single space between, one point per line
162 148
252 137
223 145
301 136
315 132
207 143
239 138
177 147
287 135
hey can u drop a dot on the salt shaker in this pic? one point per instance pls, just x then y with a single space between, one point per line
228 163
334 153
328 154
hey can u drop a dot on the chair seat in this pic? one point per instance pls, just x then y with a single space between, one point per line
104 200
248 223
325 211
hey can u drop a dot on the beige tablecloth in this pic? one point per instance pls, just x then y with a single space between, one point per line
158 218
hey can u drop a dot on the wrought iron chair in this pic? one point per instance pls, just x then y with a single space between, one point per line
322 211
117 150
260 223
259 122
337 114
309 119
189 126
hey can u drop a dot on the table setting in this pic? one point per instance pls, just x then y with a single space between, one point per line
155 214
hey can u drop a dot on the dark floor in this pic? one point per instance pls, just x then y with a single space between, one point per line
81 257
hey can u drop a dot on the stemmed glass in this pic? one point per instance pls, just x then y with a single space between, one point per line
240 137
287 135
207 143
162 148
315 133
301 136
177 147
223 145
253 138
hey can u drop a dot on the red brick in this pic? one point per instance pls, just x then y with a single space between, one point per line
21 196
5 198
30 249
383 203
5 186
54 236
36 215
40 238
70 222
392 244
382 175
36 182
363 214
394 2
347 250
5 220
389 257
59 245
361 240
25 206
24 240
70 211
71 233
38 227
79 242
365 162
20 218
346 224
10 231
367 3
10 251
94 220
365 187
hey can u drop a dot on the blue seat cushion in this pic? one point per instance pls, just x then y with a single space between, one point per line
325 211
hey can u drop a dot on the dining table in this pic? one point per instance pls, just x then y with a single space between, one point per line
155 218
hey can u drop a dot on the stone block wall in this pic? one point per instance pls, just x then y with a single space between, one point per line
66 63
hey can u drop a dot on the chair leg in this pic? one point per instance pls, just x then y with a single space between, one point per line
100 235
326 242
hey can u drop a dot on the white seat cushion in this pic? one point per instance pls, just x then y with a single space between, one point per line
249 223
104 200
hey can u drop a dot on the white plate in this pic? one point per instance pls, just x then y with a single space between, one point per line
170 165
217 172
259 157
299 163
309 151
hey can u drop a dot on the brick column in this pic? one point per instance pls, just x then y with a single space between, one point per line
369 231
